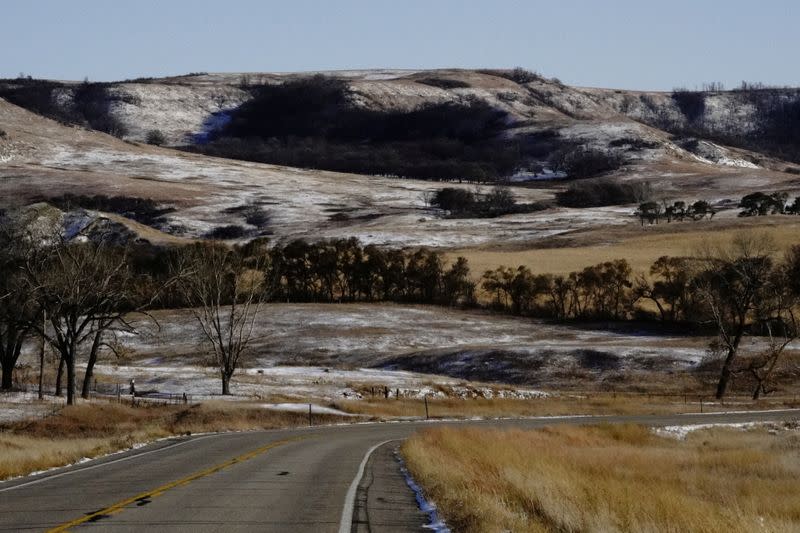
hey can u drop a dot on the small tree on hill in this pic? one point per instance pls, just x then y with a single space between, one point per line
155 137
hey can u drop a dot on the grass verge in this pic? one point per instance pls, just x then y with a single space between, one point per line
610 478
98 428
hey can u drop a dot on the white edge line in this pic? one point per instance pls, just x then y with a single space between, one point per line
99 465
346 523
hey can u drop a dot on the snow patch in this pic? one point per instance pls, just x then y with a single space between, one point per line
435 522
681 432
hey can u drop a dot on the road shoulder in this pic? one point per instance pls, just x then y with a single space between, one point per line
384 502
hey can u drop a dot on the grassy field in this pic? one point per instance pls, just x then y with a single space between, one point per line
610 478
95 429
639 246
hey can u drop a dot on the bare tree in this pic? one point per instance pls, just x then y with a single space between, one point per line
777 319
225 288
84 287
730 285
16 308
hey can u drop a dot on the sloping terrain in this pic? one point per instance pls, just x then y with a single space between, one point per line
41 158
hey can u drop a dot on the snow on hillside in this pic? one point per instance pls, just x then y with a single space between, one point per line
301 203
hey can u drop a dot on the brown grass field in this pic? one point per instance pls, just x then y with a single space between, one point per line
639 246
610 478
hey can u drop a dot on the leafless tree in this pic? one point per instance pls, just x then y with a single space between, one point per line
776 313
225 288
16 308
730 285
84 287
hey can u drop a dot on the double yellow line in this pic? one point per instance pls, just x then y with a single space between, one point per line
119 506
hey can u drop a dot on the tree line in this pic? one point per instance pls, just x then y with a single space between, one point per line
735 290
753 204
76 297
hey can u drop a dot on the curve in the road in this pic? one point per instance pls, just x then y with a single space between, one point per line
230 483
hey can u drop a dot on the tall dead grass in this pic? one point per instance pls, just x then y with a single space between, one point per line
610 478
95 429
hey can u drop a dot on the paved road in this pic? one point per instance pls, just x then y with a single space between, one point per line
311 479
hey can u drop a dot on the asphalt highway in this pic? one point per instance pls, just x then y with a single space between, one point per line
330 478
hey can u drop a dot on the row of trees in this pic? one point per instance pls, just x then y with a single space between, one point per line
735 289
600 291
760 204
653 212
754 204
76 297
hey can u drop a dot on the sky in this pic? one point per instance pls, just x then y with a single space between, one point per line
623 44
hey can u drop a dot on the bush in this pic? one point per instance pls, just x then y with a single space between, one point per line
603 193
155 137
2 133
583 162
454 200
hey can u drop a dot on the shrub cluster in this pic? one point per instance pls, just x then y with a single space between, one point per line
464 203
604 192
584 162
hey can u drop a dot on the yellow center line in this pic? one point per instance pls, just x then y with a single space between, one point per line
164 488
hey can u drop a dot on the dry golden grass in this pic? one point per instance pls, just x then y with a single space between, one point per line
95 429
597 403
610 478
639 248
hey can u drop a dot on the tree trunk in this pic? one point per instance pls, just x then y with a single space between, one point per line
725 375
8 359
226 384
87 378
757 392
7 381
60 377
71 381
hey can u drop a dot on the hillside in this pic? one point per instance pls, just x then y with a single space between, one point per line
653 138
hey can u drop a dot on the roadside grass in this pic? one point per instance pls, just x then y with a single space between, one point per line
90 430
609 478
605 403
